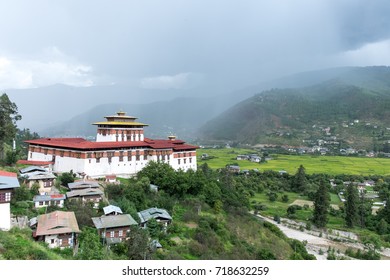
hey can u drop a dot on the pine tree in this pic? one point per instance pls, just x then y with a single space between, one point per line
351 205
8 117
321 205
299 181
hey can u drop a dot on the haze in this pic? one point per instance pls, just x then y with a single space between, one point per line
197 47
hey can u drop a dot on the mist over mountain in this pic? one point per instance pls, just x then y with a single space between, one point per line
69 111
288 116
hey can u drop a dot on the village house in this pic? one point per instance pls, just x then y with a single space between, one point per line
8 182
39 176
83 184
120 149
114 228
160 215
49 200
89 195
58 229
233 168
111 179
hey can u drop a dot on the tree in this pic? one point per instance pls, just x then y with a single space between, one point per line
299 181
66 178
321 205
138 244
351 205
90 246
8 118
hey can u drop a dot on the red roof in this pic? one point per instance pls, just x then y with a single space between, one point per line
82 144
8 174
34 162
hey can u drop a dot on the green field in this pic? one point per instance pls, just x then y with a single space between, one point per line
290 163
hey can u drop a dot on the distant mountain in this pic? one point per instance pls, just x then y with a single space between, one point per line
180 116
288 116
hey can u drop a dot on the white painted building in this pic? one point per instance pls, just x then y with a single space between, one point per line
8 182
120 149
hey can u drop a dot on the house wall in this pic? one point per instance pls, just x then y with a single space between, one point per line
59 240
114 232
58 203
5 216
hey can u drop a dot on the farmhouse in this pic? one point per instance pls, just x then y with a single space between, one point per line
120 149
114 228
49 200
58 229
160 215
8 182
38 176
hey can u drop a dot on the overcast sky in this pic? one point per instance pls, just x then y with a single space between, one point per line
183 44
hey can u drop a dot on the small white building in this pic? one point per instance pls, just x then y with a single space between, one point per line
8 182
49 200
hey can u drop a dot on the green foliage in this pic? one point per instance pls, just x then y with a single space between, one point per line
321 205
66 178
90 246
351 205
138 244
299 181
8 118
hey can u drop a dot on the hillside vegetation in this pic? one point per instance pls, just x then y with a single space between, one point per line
288 116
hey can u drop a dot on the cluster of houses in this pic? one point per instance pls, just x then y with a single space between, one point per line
59 229
251 157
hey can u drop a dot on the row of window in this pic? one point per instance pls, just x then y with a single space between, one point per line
5 197
184 160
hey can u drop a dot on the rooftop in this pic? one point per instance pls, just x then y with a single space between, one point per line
113 221
8 180
57 222
84 145
84 192
111 208
153 213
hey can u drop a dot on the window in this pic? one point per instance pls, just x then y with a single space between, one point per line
190 160
40 203
5 197
137 155
97 160
60 241
112 234
52 241
121 156
120 233
178 161
185 161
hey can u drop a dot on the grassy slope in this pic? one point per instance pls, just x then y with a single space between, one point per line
313 164
18 244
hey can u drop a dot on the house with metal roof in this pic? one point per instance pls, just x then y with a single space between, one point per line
58 229
44 179
120 149
113 229
83 184
91 195
112 210
49 200
8 182
160 215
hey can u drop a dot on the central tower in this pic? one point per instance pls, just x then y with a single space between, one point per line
120 128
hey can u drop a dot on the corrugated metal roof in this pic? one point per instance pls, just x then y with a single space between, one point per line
8 181
83 184
154 213
32 169
111 208
57 222
38 175
84 192
53 197
113 221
